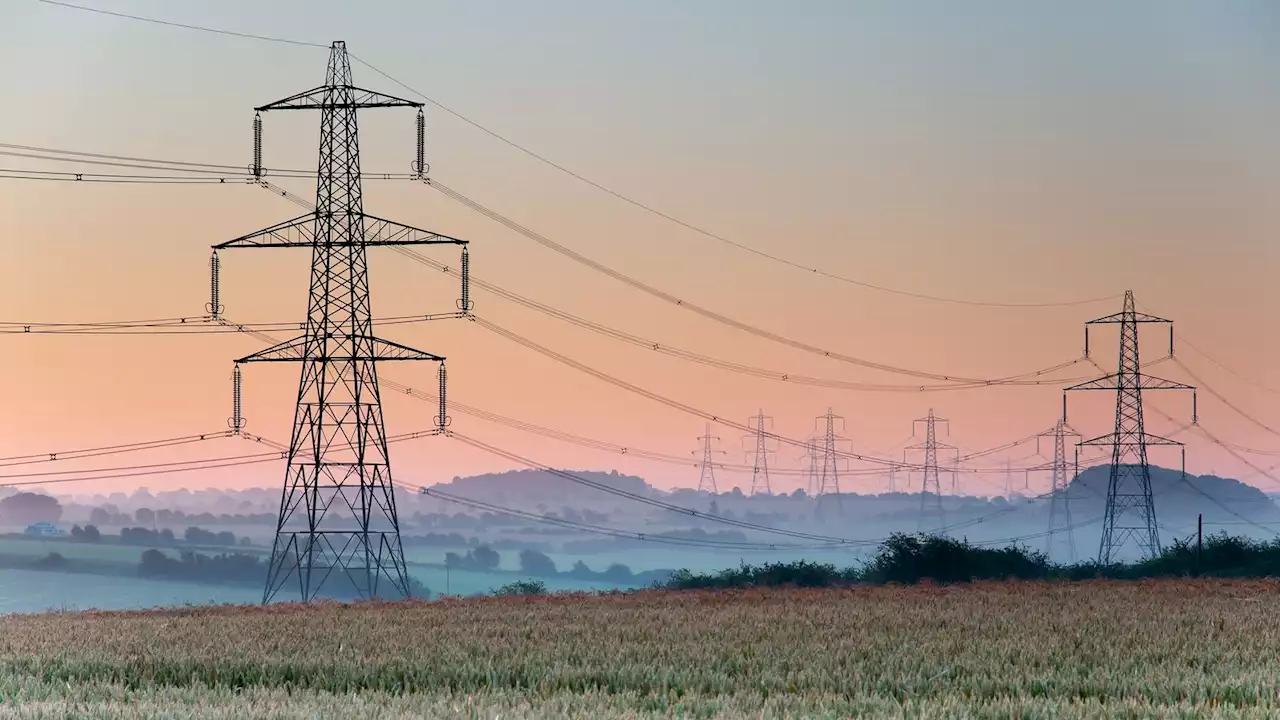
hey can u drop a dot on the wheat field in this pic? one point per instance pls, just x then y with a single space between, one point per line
998 650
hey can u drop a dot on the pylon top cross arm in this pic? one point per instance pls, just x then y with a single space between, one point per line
1137 317
301 232
334 97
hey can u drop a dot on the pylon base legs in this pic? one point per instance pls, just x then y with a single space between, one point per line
347 565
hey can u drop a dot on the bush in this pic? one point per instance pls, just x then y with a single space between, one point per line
521 587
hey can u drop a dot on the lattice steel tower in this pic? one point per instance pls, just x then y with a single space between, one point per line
760 467
1130 514
930 484
1061 531
832 462
338 526
707 478
813 454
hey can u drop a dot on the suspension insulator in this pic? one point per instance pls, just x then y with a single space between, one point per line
237 408
442 420
464 302
214 307
420 160
257 146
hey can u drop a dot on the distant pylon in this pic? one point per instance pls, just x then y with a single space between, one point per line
832 461
930 484
1008 479
1061 530
707 478
813 454
760 467
1130 513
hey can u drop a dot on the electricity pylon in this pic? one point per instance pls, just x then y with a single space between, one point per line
707 477
1061 529
1130 514
833 460
930 483
338 521
812 453
760 467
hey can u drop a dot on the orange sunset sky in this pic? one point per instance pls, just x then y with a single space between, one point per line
999 152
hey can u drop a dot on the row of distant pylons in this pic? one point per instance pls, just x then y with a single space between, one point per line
1130 515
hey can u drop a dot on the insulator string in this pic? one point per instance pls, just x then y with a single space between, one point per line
214 308
442 421
420 159
257 146
464 303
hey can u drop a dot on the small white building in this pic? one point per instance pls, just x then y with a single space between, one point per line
45 529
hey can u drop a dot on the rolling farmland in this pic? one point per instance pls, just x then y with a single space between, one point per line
1166 648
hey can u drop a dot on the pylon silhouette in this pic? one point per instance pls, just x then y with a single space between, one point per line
338 523
1130 515
760 468
707 476
832 462
930 487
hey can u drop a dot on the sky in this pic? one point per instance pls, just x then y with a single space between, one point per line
995 152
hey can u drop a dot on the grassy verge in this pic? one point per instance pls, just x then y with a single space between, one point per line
1166 648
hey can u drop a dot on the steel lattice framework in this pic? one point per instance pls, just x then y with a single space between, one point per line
707 477
760 462
338 522
1130 515
930 485
833 460
1061 530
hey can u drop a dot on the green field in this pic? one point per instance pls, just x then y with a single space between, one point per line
1175 649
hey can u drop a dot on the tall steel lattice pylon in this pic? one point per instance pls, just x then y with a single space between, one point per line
338 529
930 487
1061 537
1130 515
707 476
833 461
760 463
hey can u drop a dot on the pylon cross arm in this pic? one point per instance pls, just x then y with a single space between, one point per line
1110 440
376 349
333 97
301 232
1136 317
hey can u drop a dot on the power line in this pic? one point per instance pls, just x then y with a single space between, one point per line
950 382
698 309
597 185
730 366
1224 400
140 18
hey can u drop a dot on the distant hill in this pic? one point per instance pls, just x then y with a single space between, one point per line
1178 498
524 488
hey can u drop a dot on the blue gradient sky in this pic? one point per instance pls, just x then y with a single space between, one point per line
991 151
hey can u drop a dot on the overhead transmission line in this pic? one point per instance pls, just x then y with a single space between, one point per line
947 382
703 311
143 470
670 506
595 184
718 363
951 384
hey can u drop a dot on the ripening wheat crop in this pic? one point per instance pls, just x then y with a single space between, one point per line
1004 650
